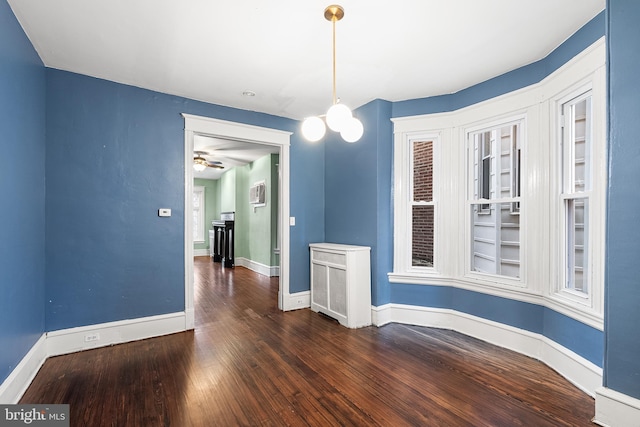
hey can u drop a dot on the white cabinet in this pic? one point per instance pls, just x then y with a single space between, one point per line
341 282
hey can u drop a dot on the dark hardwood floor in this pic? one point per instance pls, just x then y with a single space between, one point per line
249 364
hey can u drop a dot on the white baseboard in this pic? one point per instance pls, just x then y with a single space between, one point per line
74 339
201 252
296 301
66 341
12 388
615 409
578 370
265 270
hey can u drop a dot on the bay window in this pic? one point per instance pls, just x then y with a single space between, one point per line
494 199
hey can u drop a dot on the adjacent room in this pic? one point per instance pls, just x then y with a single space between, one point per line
298 213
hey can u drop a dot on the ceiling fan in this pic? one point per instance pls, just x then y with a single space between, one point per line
200 163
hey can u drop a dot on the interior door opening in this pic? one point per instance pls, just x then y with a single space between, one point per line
236 133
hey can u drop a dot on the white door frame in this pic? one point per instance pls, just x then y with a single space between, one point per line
246 133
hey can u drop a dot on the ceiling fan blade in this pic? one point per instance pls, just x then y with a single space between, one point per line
215 166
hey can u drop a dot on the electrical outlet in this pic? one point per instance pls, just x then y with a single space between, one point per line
92 337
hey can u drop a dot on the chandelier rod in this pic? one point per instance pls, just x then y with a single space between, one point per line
334 13
333 22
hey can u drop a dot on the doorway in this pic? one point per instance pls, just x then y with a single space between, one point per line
205 126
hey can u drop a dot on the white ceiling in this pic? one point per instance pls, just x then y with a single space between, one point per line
229 153
213 51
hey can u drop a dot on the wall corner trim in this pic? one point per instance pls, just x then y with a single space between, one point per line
616 409
14 386
70 340
296 301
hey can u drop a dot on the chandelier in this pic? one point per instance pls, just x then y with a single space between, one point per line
339 117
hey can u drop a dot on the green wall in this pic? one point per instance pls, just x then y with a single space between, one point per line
228 191
256 227
255 232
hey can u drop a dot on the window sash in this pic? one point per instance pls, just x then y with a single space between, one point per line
421 212
494 236
576 145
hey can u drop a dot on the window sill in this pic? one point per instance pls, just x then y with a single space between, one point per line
574 310
517 293
579 311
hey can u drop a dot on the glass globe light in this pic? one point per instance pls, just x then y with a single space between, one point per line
199 164
352 131
337 117
313 129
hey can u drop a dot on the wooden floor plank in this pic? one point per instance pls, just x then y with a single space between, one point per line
249 364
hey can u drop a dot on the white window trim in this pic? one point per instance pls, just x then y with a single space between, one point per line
537 103
201 216
560 297
403 155
505 120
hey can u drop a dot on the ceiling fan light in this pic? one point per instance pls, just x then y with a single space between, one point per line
313 129
338 117
352 131
199 164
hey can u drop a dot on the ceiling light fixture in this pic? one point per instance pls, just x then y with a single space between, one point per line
199 163
339 117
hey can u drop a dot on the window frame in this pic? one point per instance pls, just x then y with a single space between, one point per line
403 189
201 238
539 181
472 195
564 180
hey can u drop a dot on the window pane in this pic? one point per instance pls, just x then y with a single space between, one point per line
196 225
496 240
422 232
577 231
423 171
198 214
577 137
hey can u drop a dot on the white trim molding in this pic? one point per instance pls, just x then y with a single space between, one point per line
534 107
70 340
297 301
12 388
201 252
198 125
615 409
265 270
582 373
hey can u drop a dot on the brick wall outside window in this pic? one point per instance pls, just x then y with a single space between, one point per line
422 216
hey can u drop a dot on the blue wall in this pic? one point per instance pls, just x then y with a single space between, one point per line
508 82
114 157
358 202
622 285
358 192
22 222
307 206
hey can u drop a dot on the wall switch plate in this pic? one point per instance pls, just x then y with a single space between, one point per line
164 212
292 220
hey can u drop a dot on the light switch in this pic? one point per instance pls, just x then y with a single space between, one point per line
164 212
292 220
